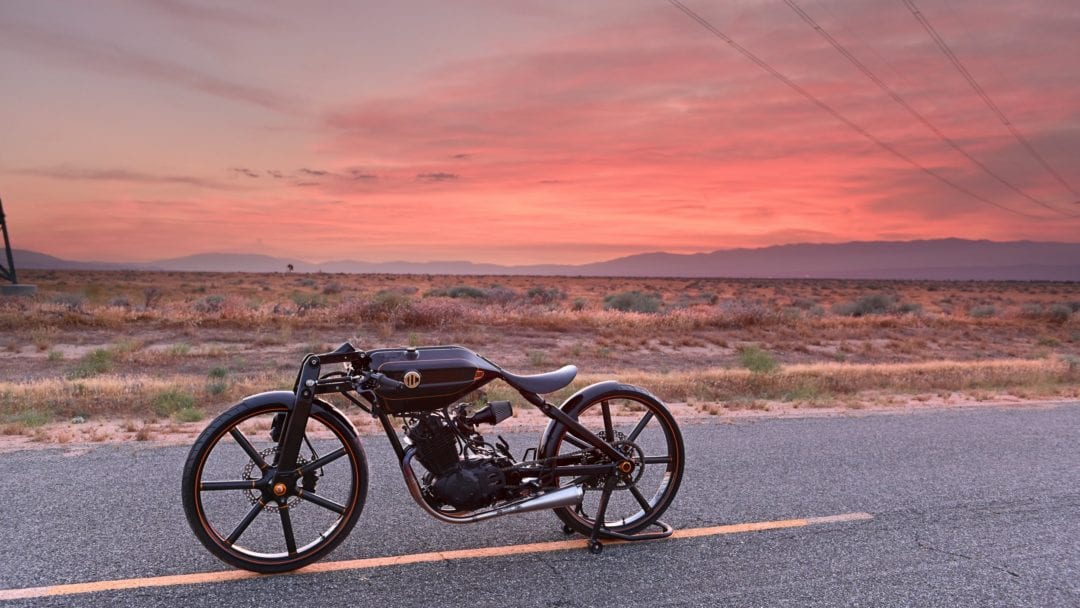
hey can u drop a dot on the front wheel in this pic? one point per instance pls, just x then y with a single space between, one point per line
639 426
252 516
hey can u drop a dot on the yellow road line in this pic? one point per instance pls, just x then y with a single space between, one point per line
399 560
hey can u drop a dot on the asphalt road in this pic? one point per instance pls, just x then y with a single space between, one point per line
970 508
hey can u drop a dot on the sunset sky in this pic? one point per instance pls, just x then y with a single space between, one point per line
524 132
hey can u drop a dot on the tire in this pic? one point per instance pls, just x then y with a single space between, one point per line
236 521
633 506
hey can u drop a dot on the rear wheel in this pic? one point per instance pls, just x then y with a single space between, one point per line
639 426
255 517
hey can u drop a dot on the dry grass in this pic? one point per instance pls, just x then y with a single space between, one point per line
246 300
127 395
819 382
178 347
142 396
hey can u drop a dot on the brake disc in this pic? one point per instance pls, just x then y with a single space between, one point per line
254 496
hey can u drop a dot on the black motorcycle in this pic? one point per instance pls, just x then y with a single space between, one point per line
278 480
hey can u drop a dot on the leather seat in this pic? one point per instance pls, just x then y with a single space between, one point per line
542 383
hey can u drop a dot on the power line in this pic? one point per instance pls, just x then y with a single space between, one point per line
827 108
982 94
904 104
823 5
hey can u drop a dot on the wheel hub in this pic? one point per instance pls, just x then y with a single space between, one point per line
274 491
632 468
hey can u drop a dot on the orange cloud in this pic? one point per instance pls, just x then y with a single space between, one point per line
642 133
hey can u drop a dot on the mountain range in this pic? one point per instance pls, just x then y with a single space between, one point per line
939 259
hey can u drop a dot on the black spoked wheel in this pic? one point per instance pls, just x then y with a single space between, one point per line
250 515
640 427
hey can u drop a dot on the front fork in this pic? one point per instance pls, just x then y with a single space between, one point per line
296 422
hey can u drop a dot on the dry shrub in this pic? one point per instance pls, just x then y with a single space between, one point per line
634 301
983 311
873 304
457 291
94 363
152 296
735 313
540 294
387 306
436 312
99 434
44 337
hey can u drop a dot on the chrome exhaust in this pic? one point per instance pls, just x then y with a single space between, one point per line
563 497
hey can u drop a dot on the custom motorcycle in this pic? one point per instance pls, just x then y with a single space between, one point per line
279 480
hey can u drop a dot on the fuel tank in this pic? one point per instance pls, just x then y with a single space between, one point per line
434 376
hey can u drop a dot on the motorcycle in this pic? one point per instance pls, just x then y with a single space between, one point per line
277 481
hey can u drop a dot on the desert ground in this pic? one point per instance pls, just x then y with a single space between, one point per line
101 356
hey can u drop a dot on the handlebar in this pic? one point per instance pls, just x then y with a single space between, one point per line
382 381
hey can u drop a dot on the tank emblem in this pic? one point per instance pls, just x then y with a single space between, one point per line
412 379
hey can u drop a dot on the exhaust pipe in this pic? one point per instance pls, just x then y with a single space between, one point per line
563 497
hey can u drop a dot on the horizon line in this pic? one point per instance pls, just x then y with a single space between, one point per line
533 264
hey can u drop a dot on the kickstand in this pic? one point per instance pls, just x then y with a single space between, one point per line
605 495
601 531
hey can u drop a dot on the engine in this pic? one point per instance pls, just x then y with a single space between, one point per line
464 483
474 483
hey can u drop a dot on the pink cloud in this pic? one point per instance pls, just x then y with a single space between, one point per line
111 58
645 133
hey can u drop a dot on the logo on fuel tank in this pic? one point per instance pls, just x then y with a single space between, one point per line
412 378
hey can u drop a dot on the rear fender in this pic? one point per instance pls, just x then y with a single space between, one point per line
573 404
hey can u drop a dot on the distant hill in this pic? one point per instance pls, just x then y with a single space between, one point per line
32 260
943 259
231 262
929 259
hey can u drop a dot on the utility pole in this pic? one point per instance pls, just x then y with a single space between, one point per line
7 273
